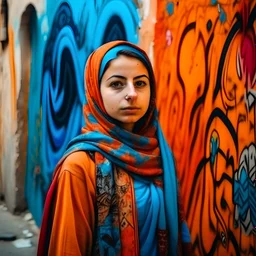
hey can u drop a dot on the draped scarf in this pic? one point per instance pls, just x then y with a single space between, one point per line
121 156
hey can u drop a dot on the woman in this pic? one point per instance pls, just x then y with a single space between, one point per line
115 190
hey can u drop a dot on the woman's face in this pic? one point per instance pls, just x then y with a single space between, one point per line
125 90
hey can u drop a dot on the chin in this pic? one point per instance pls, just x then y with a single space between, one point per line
130 121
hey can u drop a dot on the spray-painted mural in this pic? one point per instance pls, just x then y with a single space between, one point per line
205 62
70 31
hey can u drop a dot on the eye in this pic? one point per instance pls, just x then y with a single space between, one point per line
117 85
140 83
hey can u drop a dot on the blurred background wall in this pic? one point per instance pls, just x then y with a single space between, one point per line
204 56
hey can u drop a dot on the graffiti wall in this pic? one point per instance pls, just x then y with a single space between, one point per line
205 62
61 40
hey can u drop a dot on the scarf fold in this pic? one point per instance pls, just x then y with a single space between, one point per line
121 156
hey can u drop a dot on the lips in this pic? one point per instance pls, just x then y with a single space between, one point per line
130 110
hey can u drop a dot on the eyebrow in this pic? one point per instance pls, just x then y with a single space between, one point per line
122 77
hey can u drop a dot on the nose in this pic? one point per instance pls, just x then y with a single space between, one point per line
131 91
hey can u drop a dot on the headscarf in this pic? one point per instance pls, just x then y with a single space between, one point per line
121 156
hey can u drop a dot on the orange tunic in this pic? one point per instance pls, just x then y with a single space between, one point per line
74 203
74 212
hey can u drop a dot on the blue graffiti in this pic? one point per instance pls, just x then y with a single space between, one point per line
75 30
214 147
170 8
62 89
222 14
245 190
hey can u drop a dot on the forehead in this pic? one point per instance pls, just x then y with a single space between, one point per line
126 64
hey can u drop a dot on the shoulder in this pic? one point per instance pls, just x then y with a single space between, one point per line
79 164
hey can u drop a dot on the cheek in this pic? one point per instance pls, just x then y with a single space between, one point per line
149 96
109 104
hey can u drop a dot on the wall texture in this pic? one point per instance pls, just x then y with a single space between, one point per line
205 62
14 101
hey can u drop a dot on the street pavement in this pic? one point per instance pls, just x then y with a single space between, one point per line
23 228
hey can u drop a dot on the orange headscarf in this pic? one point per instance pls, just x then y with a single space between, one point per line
96 119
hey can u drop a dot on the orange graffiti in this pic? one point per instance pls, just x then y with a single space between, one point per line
205 65
12 72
